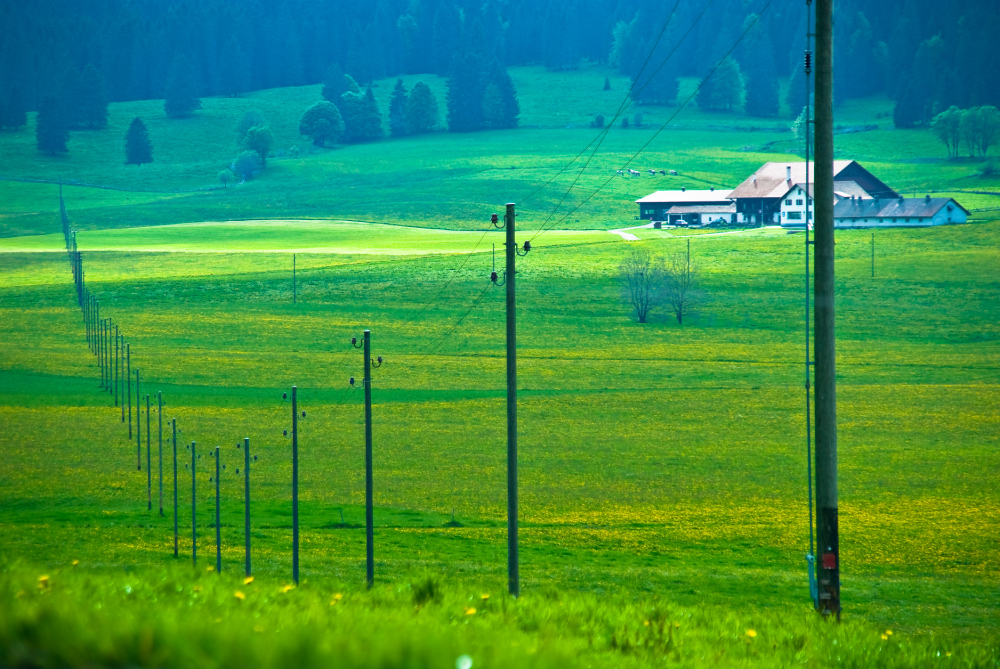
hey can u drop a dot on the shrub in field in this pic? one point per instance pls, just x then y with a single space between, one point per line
246 165
259 138
225 176
598 121
249 119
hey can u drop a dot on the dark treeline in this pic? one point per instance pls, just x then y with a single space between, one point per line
926 54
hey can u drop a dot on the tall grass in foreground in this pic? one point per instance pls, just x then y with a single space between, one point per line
181 618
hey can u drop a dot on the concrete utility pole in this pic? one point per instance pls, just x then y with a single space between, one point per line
246 498
513 578
825 346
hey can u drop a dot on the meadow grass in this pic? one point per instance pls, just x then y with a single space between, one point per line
658 463
662 467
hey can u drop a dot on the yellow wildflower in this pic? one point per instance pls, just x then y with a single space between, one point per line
470 611
239 595
288 587
248 580
752 633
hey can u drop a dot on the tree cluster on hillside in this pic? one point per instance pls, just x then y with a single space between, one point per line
649 282
480 95
414 112
977 129
927 55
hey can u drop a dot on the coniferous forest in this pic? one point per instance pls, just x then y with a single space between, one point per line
926 55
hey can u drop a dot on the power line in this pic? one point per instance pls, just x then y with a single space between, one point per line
625 104
543 229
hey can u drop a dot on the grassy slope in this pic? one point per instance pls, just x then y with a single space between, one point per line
441 180
635 440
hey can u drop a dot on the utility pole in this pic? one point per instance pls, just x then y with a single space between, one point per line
121 370
369 494
246 498
138 420
159 423
295 487
194 517
173 424
128 385
811 555
117 366
149 462
294 286
825 345
873 255
513 578
218 518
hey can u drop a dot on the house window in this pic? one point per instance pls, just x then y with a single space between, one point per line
788 202
795 215
798 202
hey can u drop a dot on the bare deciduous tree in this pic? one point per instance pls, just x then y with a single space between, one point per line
680 286
641 275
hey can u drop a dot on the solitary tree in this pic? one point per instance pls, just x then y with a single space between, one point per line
138 148
421 109
947 127
322 123
225 176
259 138
182 89
52 129
680 286
397 110
641 277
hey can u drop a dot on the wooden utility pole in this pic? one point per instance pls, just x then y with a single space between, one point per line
825 343
194 516
873 255
246 498
218 517
295 487
173 425
294 285
149 462
369 477
128 385
138 421
513 578
159 424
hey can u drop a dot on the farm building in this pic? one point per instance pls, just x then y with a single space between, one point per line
898 212
689 205
775 193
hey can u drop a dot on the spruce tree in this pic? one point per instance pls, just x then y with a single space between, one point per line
333 83
362 118
182 89
12 112
492 107
762 83
92 101
52 127
138 148
465 93
511 108
421 110
397 110
234 70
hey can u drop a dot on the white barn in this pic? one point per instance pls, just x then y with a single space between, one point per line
900 212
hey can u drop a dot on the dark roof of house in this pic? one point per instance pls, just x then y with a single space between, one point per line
770 180
909 207
686 197
703 209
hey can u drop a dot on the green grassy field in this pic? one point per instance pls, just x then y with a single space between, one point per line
662 467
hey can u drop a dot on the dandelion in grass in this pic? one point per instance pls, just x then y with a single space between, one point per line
888 632
485 597
463 662
751 634
288 587
43 581
471 611
248 580
885 637
75 563
239 595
